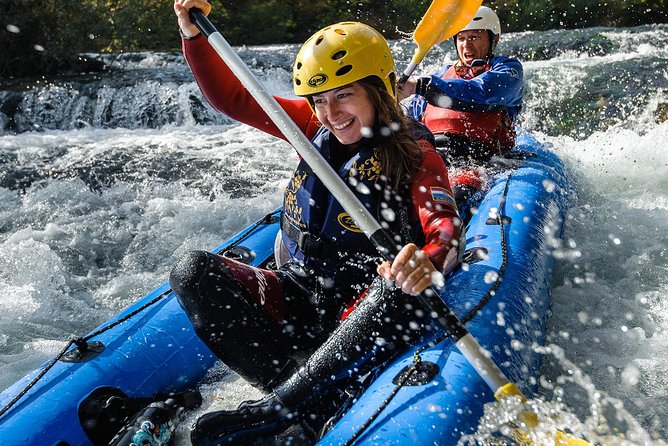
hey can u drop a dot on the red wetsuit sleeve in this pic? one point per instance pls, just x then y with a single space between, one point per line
226 93
434 204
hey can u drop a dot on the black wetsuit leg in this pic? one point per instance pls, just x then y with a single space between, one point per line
240 313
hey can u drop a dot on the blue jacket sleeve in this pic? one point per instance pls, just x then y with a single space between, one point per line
501 86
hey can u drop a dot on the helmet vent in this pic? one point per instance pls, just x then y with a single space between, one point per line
341 31
319 39
344 70
476 19
339 55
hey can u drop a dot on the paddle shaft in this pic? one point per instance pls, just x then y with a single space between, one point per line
466 343
407 73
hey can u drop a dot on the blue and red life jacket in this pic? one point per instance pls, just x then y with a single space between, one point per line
320 234
493 129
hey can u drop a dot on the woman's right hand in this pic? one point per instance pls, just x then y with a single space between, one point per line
181 8
411 270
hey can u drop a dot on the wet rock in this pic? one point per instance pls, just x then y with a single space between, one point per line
661 113
545 45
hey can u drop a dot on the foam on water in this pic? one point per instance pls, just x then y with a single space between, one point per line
609 300
74 253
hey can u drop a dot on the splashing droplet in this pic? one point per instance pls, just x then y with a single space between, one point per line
549 186
491 276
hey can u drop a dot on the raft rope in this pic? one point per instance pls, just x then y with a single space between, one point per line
417 359
82 342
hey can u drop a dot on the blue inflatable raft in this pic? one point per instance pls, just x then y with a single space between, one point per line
501 293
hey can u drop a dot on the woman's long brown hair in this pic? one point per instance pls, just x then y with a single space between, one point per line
401 154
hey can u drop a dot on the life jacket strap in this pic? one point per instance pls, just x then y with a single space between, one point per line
451 145
309 244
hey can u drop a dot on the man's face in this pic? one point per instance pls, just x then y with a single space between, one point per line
473 44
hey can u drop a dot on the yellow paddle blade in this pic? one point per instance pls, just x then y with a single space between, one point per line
443 19
530 420
560 439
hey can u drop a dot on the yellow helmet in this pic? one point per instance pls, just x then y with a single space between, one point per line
341 54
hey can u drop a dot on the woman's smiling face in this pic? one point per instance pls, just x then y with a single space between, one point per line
345 111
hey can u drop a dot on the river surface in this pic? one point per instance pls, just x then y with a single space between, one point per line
107 179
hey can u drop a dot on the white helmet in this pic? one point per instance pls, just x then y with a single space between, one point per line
485 18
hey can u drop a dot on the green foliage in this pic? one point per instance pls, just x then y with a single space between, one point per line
523 15
279 21
53 33
44 35
137 25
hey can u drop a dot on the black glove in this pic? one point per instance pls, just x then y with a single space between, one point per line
422 85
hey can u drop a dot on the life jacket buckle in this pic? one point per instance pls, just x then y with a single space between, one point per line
309 244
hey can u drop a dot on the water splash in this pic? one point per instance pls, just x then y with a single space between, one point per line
605 420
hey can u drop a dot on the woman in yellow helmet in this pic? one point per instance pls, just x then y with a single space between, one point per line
259 322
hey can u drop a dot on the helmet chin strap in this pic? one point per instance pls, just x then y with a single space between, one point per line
480 62
493 41
476 62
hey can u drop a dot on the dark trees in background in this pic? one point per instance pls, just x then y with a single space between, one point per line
48 36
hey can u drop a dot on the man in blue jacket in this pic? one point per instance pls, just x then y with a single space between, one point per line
471 106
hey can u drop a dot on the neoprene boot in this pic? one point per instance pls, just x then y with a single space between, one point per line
374 332
230 321
254 421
